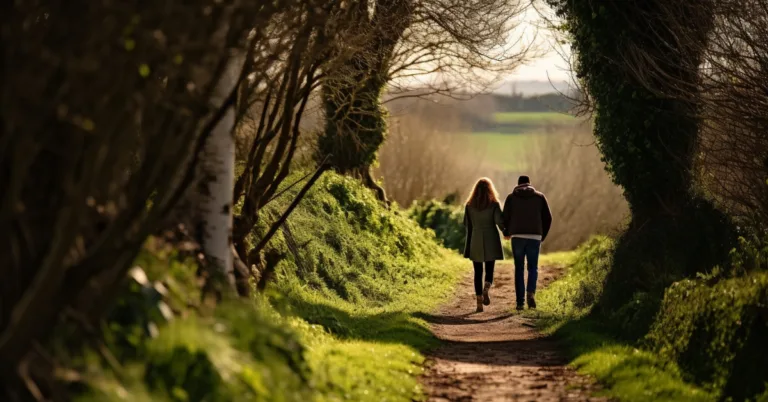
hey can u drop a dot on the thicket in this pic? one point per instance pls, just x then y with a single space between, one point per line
337 322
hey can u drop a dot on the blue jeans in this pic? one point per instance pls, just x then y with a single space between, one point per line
522 249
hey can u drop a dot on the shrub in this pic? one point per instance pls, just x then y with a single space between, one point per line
710 330
444 219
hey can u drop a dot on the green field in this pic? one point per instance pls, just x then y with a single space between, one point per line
504 142
501 149
534 118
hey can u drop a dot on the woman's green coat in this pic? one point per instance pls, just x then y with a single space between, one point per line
483 242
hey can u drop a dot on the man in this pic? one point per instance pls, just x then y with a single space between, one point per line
527 219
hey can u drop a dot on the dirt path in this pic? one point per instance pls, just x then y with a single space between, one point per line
497 355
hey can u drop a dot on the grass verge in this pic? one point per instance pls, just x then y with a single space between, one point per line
338 322
626 371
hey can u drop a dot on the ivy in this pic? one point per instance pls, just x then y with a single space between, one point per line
647 141
648 144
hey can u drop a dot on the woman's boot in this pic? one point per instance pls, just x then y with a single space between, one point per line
486 295
479 304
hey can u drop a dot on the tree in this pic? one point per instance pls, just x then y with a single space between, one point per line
649 140
105 108
399 41
731 96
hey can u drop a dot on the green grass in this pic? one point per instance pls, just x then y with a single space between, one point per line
369 273
559 259
534 118
627 372
339 322
501 149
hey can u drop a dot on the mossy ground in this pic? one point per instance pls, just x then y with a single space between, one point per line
338 322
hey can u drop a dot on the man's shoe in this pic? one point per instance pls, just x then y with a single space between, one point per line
486 296
531 301
520 306
479 304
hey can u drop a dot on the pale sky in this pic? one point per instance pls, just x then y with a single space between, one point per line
551 66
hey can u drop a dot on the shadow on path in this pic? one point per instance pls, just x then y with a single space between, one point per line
497 355
461 319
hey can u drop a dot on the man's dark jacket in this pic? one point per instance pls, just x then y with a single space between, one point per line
526 212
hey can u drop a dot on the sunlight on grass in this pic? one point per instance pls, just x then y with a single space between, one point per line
558 259
626 372
505 150
534 118
373 272
339 321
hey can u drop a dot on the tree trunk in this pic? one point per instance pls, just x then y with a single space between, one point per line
356 122
217 178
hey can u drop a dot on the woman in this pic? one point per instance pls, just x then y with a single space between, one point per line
481 216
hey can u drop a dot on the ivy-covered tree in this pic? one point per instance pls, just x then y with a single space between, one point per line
355 120
647 135
393 42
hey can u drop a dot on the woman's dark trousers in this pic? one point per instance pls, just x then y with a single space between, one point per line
479 275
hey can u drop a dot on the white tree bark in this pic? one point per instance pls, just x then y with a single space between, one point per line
217 167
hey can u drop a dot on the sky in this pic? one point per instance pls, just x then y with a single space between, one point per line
551 66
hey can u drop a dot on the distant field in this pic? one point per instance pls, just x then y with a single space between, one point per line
502 149
534 118
503 144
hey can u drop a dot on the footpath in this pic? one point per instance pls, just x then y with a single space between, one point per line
498 355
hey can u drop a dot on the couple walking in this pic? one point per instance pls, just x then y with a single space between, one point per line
526 220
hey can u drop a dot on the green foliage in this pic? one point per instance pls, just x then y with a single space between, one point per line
715 327
593 341
650 256
709 331
647 140
187 375
339 322
356 123
628 373
352 248
580 288
444 219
